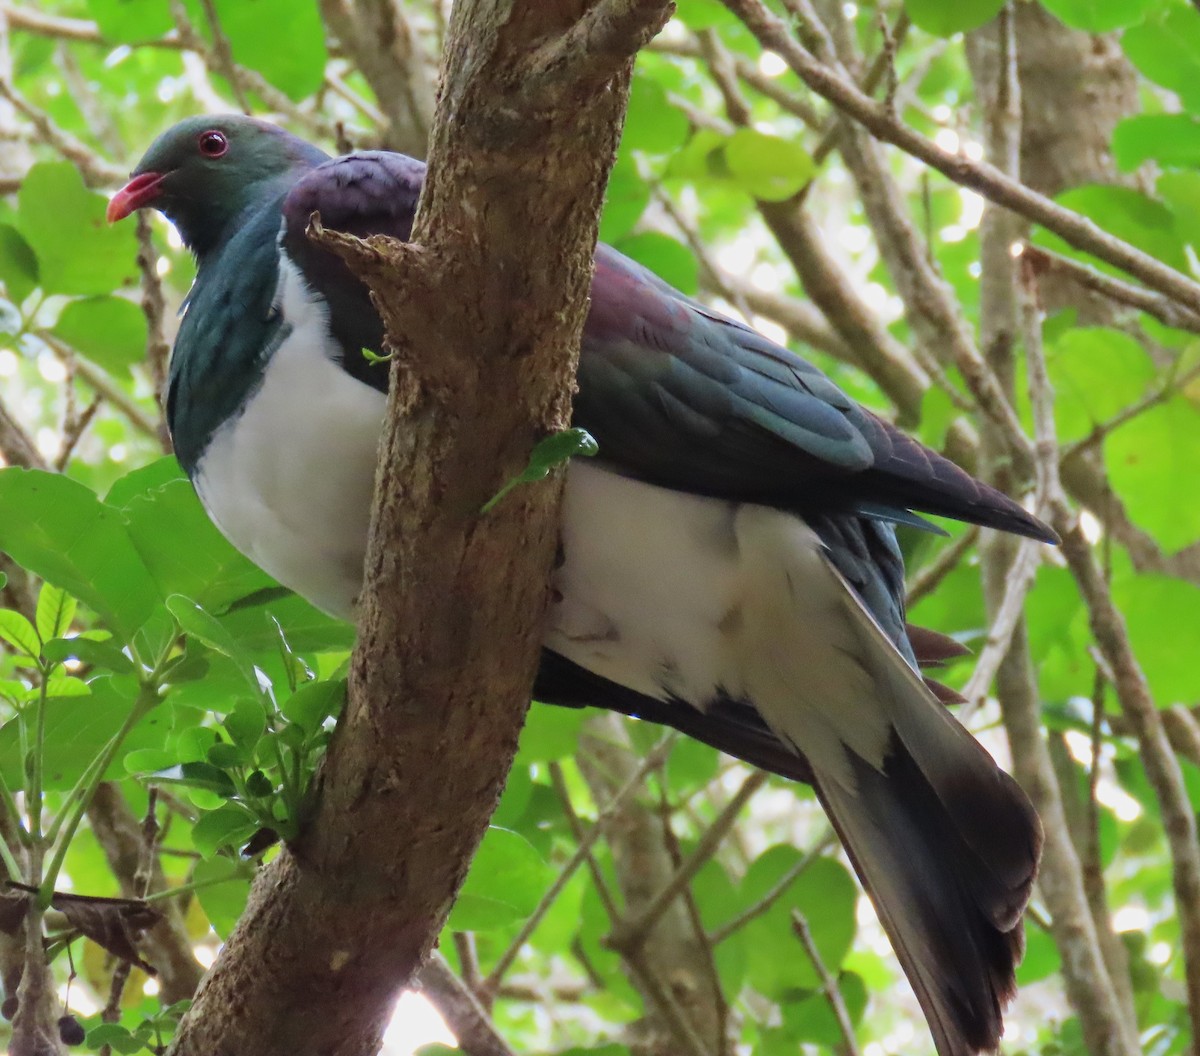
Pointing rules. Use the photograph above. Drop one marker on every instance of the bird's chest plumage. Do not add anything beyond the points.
(289, 478)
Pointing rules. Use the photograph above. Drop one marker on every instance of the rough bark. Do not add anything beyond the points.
(485, 323)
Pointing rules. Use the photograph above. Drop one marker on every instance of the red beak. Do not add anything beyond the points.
(138, 192)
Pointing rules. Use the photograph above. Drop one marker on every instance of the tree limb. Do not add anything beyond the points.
(985, 179)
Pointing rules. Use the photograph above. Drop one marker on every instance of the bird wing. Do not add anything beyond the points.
(684, 397)
(675, 393)
(371, 192)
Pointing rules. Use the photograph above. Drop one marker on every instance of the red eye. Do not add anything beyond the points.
(213, 143)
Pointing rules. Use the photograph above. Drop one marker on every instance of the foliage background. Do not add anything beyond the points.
(182, 670)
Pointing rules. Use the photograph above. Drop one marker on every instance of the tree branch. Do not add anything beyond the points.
(980, 177)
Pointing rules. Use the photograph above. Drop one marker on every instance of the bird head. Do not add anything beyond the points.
(203, 174)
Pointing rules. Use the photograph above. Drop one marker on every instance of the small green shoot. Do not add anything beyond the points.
(548, 453)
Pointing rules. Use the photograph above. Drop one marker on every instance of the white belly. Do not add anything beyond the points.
(289, 481)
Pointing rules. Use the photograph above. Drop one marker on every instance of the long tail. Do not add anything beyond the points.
(950, 897)
(945, 843)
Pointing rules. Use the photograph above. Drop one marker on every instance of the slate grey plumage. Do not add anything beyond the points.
(729, 561)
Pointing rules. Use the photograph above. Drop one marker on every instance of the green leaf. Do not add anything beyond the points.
(20, 634)
(1166, 49)
(79, 726)
(505, 883)
(1041, 958)
(313, 703)
(945, 19)
(551, 733)
(1099, 16)
(1096, 373)
(18, 264)
(103, 655)
(110, 331)
(196, 775)
(295, 65)
(1128, 214)
(1169, 139)
(652, 124)
(199, 624)
(624, 201)
(1157, 611)
(116, 1037)
(143, 480)
(766, 166)
(1148, 458)
(227, 826)
(812, 1021)
(77, 250)
(55, 611)
(226, 886)
(131, 21)
(182, 548)
(667, 257)
(59, 530)
(245, 724)
(552, 451)
(825, 894)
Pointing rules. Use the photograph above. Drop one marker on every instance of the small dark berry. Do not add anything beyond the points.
(9, 1008)
(71, 1031)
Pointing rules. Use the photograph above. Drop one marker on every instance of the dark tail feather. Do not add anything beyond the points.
(950, 897)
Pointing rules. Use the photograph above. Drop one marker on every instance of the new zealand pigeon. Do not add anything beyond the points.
(728, 565)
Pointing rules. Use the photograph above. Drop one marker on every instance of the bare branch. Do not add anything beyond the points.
(1161, 764)
(637, 930)
(829, 985)
(96, 171)
(1004, 623)
(380, 39)
(1165, 309)
(981, 177)
(590, 49)
(466, 1017)
(775, 892)
(168, 946)
(16, 446)
(926, 579)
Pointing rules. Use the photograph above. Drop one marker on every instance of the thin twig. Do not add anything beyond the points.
(1077, 230)
(96, 171)
(467, 1019)
(927, 578)
(651, 762)
(829, 985)
(223, 51)
(599, 880)
(681, 1025)
(1165, 309)
(720, 933)
(104, 386)
(1004, 624)
(635, 931)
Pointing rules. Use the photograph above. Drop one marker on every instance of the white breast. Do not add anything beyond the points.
(289, 481)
